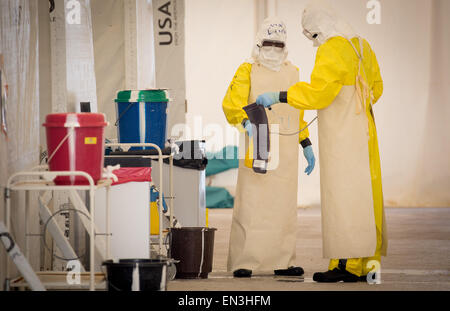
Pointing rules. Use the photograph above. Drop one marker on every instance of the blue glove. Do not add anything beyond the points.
(268, 99)
(309, 156)
(248, 127)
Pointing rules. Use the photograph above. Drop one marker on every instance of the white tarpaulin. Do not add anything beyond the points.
(81, 83)
(168, 25)
(109, 50)
(20, 149)
(139, 45)
(72, 56)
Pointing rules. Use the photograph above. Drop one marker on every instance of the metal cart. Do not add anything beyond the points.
(160, 158)
(42, 180)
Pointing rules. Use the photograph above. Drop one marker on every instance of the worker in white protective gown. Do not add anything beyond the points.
(263, 230)
(345, 83)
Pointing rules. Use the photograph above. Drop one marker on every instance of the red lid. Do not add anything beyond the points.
(75, 119)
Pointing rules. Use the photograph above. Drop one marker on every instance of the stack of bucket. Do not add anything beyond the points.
(76, 143)
(142, 116)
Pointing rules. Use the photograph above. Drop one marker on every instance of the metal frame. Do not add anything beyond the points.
(47, 185)
(44, 182)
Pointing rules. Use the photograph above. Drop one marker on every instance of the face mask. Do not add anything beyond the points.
(272, 57)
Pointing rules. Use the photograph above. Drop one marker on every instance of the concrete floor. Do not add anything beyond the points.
(418, 255)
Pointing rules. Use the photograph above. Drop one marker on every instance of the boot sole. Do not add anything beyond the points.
(337, 281)
(289, 274)
(242, 274)
(343, 279)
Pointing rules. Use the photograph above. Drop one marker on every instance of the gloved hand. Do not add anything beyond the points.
(268, 99)
(248, 127)
(309, 156)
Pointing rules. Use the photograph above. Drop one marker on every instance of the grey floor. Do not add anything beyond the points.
(418, 255)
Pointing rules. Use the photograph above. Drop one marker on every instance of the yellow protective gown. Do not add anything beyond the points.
(237, 97)
(338, 67)
(265, 211)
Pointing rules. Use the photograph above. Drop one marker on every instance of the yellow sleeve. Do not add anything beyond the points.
(237, 96)
(305, 133)
(327, 79)
(377, 87)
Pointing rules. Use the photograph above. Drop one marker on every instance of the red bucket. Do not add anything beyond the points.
(75, 142)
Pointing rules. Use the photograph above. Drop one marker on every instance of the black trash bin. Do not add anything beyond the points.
(152, 274)
(193, 247)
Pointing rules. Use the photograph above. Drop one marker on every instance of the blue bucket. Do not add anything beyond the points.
(142, 117)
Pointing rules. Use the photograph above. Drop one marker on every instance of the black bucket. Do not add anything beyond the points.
(193, 247)
(151, 274)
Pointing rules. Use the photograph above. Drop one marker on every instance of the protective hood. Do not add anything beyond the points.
(272, 29)
(321, 22)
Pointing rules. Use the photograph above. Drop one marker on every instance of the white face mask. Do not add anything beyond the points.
(272, 57)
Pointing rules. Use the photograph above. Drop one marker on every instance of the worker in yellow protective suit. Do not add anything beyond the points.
(264, 225)
(345, 83)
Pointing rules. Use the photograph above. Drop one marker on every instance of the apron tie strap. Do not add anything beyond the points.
(362, 87)
(364, 93)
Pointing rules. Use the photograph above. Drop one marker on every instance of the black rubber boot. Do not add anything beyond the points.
(334, 276)
(291, 271)
(363, 278)
(242, 273)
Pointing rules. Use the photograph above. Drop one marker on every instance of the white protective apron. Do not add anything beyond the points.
(263, 230)
(348, 219)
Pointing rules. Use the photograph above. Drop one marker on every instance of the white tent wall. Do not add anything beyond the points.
(169, 52)
(81, 81)
(431, 184)
(219, 37)
(71, 56)
(145, 45)
(109, 53)
(124, 51)
(58, 60)
(45, 78)
(410, 115)
(20, 150)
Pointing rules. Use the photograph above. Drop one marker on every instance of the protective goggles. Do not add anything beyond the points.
(309, 35)
(276, 44)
